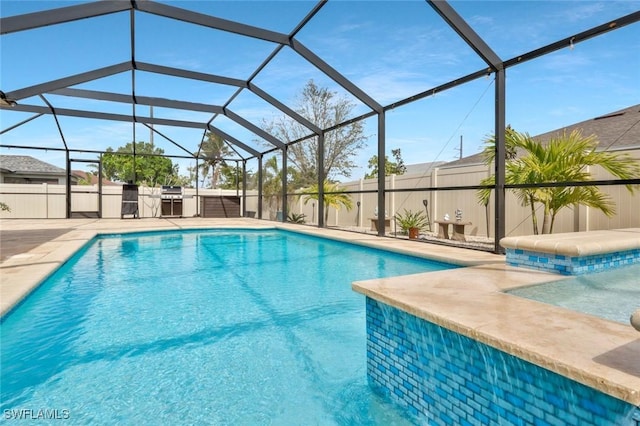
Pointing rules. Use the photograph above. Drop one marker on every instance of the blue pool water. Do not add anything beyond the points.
(613, 295)
(209, 327)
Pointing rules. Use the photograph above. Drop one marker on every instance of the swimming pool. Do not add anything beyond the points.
(224, 327)
(613, 295)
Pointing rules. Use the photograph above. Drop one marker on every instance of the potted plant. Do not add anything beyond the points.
(411, 222)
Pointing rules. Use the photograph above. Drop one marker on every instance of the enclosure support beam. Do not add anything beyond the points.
(164, 136)
(60, 15)
(230, 138)
(330, 72)
(244, 188)
(21, 123)
(500, 159)
(61, 83)
(209, 21)
(381, 174)
(192, 75)
(198, 212)
(259, 186)
(284, 184)
(321, 178)
(140, 100)
(253, 128)
(463, 29)
(68, 187)
(282, 107)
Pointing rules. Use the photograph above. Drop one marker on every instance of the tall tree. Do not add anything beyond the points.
(325, 109)
(213, 150)
(230, 176)
(565, 158)
(396, 167)
(150, 169)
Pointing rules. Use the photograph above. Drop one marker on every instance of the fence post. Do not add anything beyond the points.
(46, 200)
(361, 199)
(434, 202)
(392, 206)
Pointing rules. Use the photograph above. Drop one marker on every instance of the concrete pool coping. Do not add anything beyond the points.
(574, 244)
(599, 353)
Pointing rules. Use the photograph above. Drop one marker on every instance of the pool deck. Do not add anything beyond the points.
(599, 353)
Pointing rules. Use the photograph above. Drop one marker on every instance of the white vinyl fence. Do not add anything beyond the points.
(49, 201)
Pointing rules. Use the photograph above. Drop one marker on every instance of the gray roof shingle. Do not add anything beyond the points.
(28, 164)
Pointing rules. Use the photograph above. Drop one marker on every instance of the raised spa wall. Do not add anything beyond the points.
(575, 253)
(446, 378)
(453, 349)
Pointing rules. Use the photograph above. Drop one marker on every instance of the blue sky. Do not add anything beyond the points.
(390, 49)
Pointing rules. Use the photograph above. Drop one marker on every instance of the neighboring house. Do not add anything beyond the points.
(615, 131)
(85, 178)
(423, 168)
(25, 169)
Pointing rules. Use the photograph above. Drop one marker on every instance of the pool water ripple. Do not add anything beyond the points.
(210, 327)
(612, 295)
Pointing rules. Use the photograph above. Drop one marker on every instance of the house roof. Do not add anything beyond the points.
(93, 179)
(422, 167)
(24, 164)
(615, 131)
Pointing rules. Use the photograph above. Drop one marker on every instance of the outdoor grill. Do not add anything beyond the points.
(171, 201)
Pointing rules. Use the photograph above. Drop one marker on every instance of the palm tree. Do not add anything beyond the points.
(565, 158)
(213, 150)
(332, 197)
(272, 182)
(515, 173)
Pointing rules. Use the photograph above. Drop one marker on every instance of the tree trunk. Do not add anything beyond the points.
(534, 218)
(214, 176)
(546, 223)
(553, 220)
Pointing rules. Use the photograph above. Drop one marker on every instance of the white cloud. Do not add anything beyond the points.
(580, 11)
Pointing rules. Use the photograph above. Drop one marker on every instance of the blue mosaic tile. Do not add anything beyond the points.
(450, 383)
(555, 400)
(571, 265)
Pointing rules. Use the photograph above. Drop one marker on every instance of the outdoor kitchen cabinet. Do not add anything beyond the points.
(220, 206)
(171, 201)
(171, 207)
